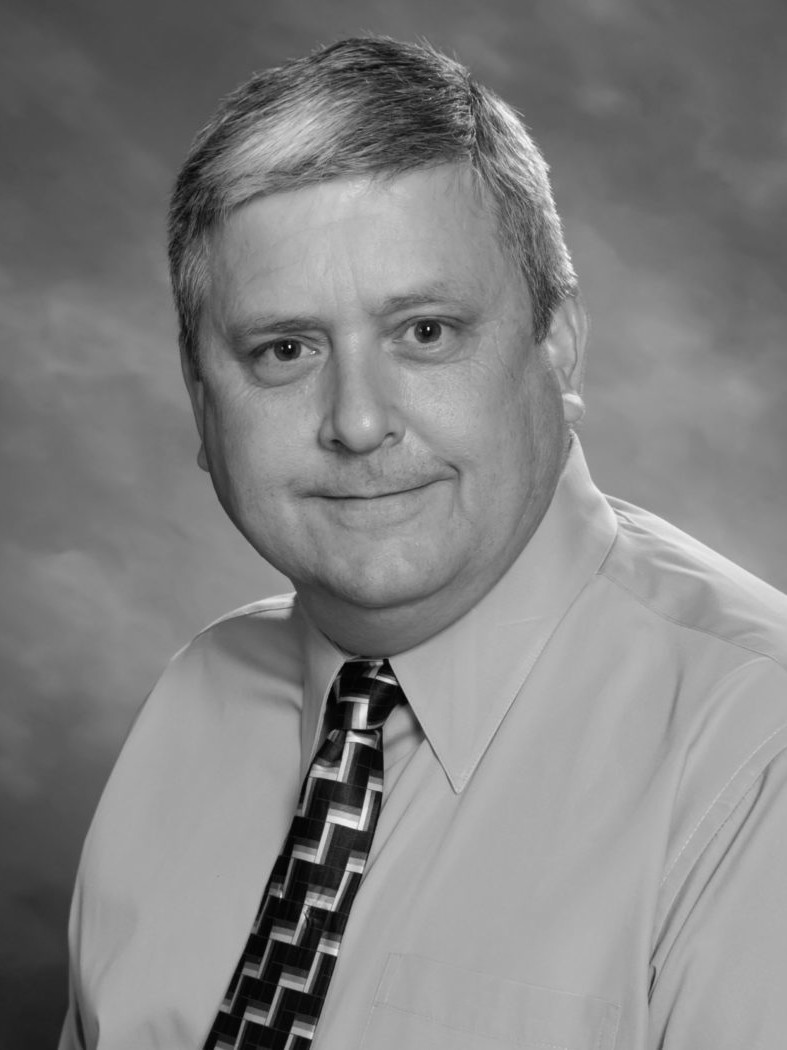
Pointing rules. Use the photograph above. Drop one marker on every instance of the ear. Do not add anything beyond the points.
(196, 390)
(565, 347)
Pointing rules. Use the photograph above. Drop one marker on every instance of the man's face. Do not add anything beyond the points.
(376, 417)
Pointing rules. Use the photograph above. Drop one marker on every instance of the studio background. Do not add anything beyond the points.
(665, 123)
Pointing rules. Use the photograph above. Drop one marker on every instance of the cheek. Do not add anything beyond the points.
(245, 453)
(526, 433)
(461, 408)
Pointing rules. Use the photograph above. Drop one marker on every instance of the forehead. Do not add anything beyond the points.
(361, 237)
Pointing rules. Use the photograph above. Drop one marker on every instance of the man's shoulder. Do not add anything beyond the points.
(248, 659)
(689, 586)
(259, 642)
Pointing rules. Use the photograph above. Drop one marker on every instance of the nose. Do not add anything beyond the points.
(362, 410)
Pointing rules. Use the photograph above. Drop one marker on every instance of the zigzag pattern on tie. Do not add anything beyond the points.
(276, 993)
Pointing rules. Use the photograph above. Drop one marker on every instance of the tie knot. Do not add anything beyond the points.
(366, 691)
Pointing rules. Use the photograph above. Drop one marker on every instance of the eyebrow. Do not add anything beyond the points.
(253, 326)
(439, 294)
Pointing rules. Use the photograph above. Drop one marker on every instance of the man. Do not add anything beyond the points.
(574, 715)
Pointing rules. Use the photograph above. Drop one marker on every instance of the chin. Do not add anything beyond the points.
(368, 595)
(374, 589)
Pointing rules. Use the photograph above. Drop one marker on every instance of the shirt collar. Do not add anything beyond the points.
(461, 682)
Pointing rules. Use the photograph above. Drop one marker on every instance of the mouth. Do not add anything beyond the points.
(379, 507)
(381, 494)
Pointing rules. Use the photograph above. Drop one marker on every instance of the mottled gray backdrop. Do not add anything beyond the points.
(666, 124)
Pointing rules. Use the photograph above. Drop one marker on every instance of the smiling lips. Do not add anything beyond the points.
(367, 496)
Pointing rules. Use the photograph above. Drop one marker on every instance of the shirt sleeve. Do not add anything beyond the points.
(719, 970)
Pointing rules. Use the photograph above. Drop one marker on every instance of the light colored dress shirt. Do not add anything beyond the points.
(583, 841)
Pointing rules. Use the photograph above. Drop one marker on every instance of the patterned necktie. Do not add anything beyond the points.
(280, 983)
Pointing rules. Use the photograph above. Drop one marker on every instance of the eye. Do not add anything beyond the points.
(285, 349)
(427, 331)
(284, 360)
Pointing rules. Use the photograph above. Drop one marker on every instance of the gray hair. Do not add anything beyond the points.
(365, 107)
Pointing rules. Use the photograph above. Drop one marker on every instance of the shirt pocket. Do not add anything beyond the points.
(422, 1004)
